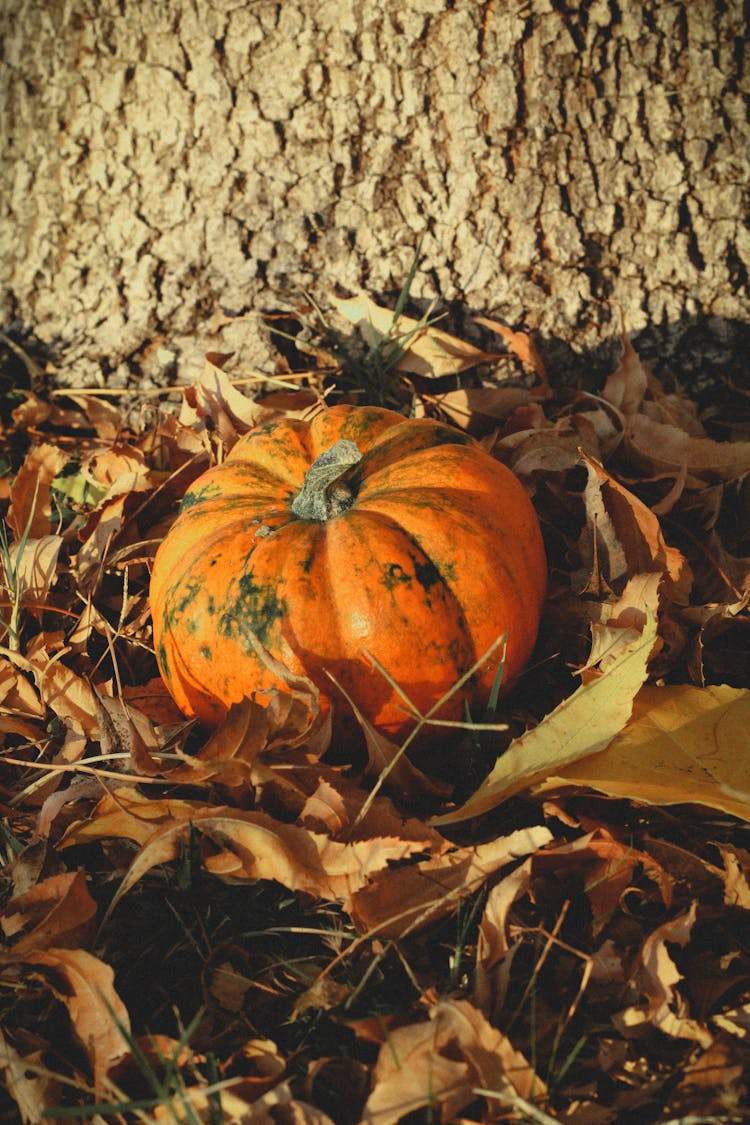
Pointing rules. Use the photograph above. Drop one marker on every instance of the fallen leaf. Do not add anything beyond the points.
(404, 899)
(427, 350)
(54, 912)
(245, 846)
(85, 986)
(213, 396)
(129, 815)
(657, 976)
(33, 1090)
(637, 530)
(35, 566)
(440, 1064)
(583, 724)
(681, 746)
(521, 344)
(607, 867)
(658, 447)
(471, 405)
(626, 387)
(277, 1105)
(31, 505)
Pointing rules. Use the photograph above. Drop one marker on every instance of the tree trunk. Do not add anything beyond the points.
(561, 163)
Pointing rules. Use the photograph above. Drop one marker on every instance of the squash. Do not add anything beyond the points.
(349, 540)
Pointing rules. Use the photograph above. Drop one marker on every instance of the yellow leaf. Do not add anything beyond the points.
(583, 724)
(683, 744)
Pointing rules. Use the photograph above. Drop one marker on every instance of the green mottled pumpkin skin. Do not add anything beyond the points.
(439, 554)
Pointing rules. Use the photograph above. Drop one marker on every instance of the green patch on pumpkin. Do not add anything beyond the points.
(258, 607)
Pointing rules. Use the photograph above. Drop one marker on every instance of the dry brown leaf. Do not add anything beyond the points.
(129, 815)
(54, 912)
(101, 531)
(411, 1073)
(125, 730)
(736, 883)
(657, 976)
(239, 754)
(520, 343)
(246, 846)
(401, 900)
(626, 387)
(393, 768)
(275, 1106)
(682, 745)
(31, 508)
(85, 986)
(17, 695)
(659, 447)
(338, 802)
(120, 468)
(33, 411)
(581, 725)
(635, 530)
(441, 1063)
(154, 701)
(428, 351)
(213, 396)
(470, 406)
(35, 565)
(606, 865)
(104, 416)
(68, 696)
(621, 621)
(33, 1091)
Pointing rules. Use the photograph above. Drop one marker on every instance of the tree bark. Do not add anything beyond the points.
(560, 162)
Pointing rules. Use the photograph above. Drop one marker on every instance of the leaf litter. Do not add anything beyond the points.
(237, 923)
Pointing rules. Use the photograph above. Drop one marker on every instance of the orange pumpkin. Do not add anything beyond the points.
(356, 534)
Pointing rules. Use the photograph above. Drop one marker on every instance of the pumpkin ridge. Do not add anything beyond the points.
(426, 573)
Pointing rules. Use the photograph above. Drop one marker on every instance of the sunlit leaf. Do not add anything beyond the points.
(682, 745)
(581, 725)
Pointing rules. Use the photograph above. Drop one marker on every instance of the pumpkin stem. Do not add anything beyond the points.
(325, 492)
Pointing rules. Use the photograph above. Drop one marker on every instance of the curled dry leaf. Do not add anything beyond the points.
(68, 696)
(626, 387)
(32, 1092)
(607, 866)
(473, 408)
(522, 345)
(442, 1063)
(276, 1105)
(54, 912)
(629, 534)
(31, 508)
(657, 976)
(415, 895)
(214, 397)
(35, 566)
(658, 447)
(246, 846)
(129, 815)
(125, 729)
(364, 875)
(85, 986)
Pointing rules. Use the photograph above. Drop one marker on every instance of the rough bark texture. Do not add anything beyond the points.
(164, 162)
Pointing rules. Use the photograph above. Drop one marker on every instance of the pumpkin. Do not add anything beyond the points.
(355, 539)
